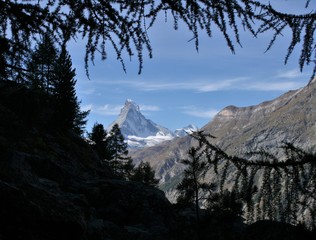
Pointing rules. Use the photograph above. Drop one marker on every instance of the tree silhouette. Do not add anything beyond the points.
(117, 153)
(192, 186)
(271, 188)
(41, 65)
(124, 25)
(145, 174)
(98, 138)
(68, 113)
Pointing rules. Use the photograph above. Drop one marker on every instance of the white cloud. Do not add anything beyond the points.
(199, 112)
(273, 86)
(149, 108)
(206, 85)
(114, 110)
(294, 73)
(88, 91)
(105, 110)
(87, 107)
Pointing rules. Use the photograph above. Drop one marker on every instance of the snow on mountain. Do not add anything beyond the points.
(181, 132)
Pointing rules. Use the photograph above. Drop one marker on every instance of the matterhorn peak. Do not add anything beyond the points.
(129, 103)
(136, 128)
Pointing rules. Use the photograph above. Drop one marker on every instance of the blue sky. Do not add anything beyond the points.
(180, 86)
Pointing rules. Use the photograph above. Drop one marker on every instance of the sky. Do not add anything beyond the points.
(180, 86)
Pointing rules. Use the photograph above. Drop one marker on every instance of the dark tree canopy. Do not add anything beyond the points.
(145, 174)
(124, 25)
(271, 188)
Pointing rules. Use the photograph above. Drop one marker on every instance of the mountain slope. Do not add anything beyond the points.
(290, 117)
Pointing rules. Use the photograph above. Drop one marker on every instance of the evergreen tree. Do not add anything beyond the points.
(145, 174)
(192, 186)
(41, 65)
(117, 153)
(98, 137)
(68, 113)
(286, 188)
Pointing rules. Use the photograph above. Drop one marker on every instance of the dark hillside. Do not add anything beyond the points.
(53, 186)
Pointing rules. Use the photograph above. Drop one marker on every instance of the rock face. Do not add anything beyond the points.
(54, 187)
(290, 117)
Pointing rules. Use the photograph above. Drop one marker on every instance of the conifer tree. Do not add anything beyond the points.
(124, 24)
(191, 187)
(68, 113)
(145, 174)
(41, 64)
(117, 153)
(98, 137)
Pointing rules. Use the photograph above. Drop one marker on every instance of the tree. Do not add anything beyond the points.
(145, 174)
(124, 25)
(117, 153)
(68, 113)
(286, 191)
(98, 138)
(191, 187)
(41, 65)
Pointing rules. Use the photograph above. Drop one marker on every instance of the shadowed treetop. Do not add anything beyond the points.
(124, 25)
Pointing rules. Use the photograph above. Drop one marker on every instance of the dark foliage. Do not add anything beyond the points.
(98, 138)
(41, 65)
(274, 189)
(68, 114)
(112, 148)
(124, 25)
(145, 174)
(192, 187)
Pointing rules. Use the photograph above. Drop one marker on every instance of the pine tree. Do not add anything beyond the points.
(192, 185)
(117, 152)
(145, 174)
(41, 65)
(68, 113)
(98, 138)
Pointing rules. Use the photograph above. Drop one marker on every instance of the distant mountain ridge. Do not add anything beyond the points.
(141, 132)
(290, 117)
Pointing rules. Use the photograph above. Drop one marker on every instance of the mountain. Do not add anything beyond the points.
(181, 132)
(290, 117)
(138, 130)
(133, 123)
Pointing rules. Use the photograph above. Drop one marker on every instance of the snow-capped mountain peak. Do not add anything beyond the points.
(181, 132)
(142, 132)
(136, 128)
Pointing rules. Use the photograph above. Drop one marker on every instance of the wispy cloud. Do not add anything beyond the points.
(281, 83)
(199, 112)
(87, 91)
(149, 108)
(105, 110)
(294, 73)
(114, 110)
(273, 86)
(194, 84)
